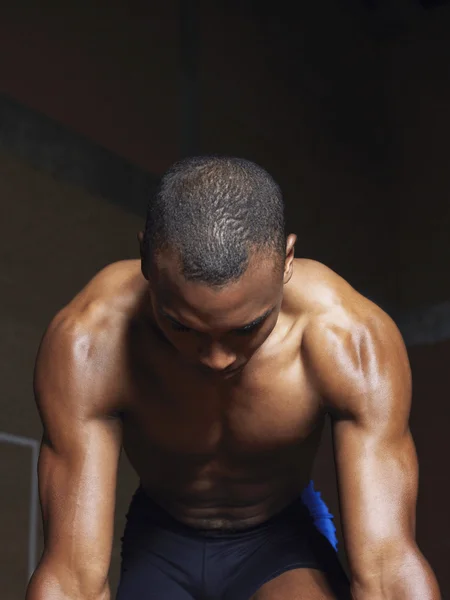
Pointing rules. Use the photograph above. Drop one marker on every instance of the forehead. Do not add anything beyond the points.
(257, 290)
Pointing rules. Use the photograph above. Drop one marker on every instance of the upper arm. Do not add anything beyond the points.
(364, 374)
(77, 463)
(374, 451)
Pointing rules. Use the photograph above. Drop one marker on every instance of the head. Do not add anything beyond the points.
(215, 254)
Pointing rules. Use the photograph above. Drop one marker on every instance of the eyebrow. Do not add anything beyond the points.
(246, 327)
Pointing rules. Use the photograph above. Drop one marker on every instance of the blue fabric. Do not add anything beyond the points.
(320, 514)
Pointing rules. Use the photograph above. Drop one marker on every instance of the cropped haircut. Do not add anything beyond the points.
(214, 212)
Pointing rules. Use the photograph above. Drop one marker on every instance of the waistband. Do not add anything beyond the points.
(144, 508)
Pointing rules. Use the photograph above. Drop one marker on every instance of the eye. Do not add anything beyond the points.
(244, 331)
(176, 327)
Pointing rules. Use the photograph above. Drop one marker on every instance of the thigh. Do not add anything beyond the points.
(295, 562)
(301, 584)
(159, 560)
(147, 582)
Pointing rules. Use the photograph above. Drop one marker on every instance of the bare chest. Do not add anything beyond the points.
(269, 409)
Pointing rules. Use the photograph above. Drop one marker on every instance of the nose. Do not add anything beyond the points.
(216, 357)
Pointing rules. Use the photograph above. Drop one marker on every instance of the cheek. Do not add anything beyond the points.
(263, 334)
(268, 327)
(248, 344)
(175, 338)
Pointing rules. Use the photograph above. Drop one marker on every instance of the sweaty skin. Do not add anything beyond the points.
(225, 450)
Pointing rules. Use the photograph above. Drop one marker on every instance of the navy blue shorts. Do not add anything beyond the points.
(165, 559)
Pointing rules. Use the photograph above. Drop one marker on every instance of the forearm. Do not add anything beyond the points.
(48, 584)
(410, 578)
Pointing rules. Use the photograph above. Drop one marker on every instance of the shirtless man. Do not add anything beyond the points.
(214, 361)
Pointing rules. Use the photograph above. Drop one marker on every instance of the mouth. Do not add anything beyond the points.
(231, 372)
(225, 373)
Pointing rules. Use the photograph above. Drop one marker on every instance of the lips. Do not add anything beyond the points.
(232, 371)
(224, 373)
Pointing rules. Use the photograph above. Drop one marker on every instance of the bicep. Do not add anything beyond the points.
(77, 466)
(374, 450)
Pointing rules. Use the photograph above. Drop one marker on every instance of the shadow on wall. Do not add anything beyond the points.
(430, 420)
(68, 157)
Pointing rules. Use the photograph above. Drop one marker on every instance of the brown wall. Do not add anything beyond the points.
(308, 105)
(418, 78)
(418, 83)
(429, 424)
(107, 70)
(306, 102)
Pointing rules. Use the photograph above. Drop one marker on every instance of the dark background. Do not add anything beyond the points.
(345, 102)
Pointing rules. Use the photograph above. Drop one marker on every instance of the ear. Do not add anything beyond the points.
(289, 260)
(144, 266)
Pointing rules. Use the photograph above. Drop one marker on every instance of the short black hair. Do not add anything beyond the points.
(214, 211)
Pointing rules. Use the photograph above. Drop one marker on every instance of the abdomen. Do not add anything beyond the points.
(227, 483)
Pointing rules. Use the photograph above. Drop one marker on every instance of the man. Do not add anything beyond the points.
(214, 361)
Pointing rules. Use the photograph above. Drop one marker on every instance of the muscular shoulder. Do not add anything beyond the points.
(82, 352)
(352, 347)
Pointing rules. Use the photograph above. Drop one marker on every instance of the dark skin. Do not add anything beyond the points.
(218, 448)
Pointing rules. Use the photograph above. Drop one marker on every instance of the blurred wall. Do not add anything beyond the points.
(418, 81)
(418, 84)
(107, 70)
(429, 423)
(302, 96)
(299, 88)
